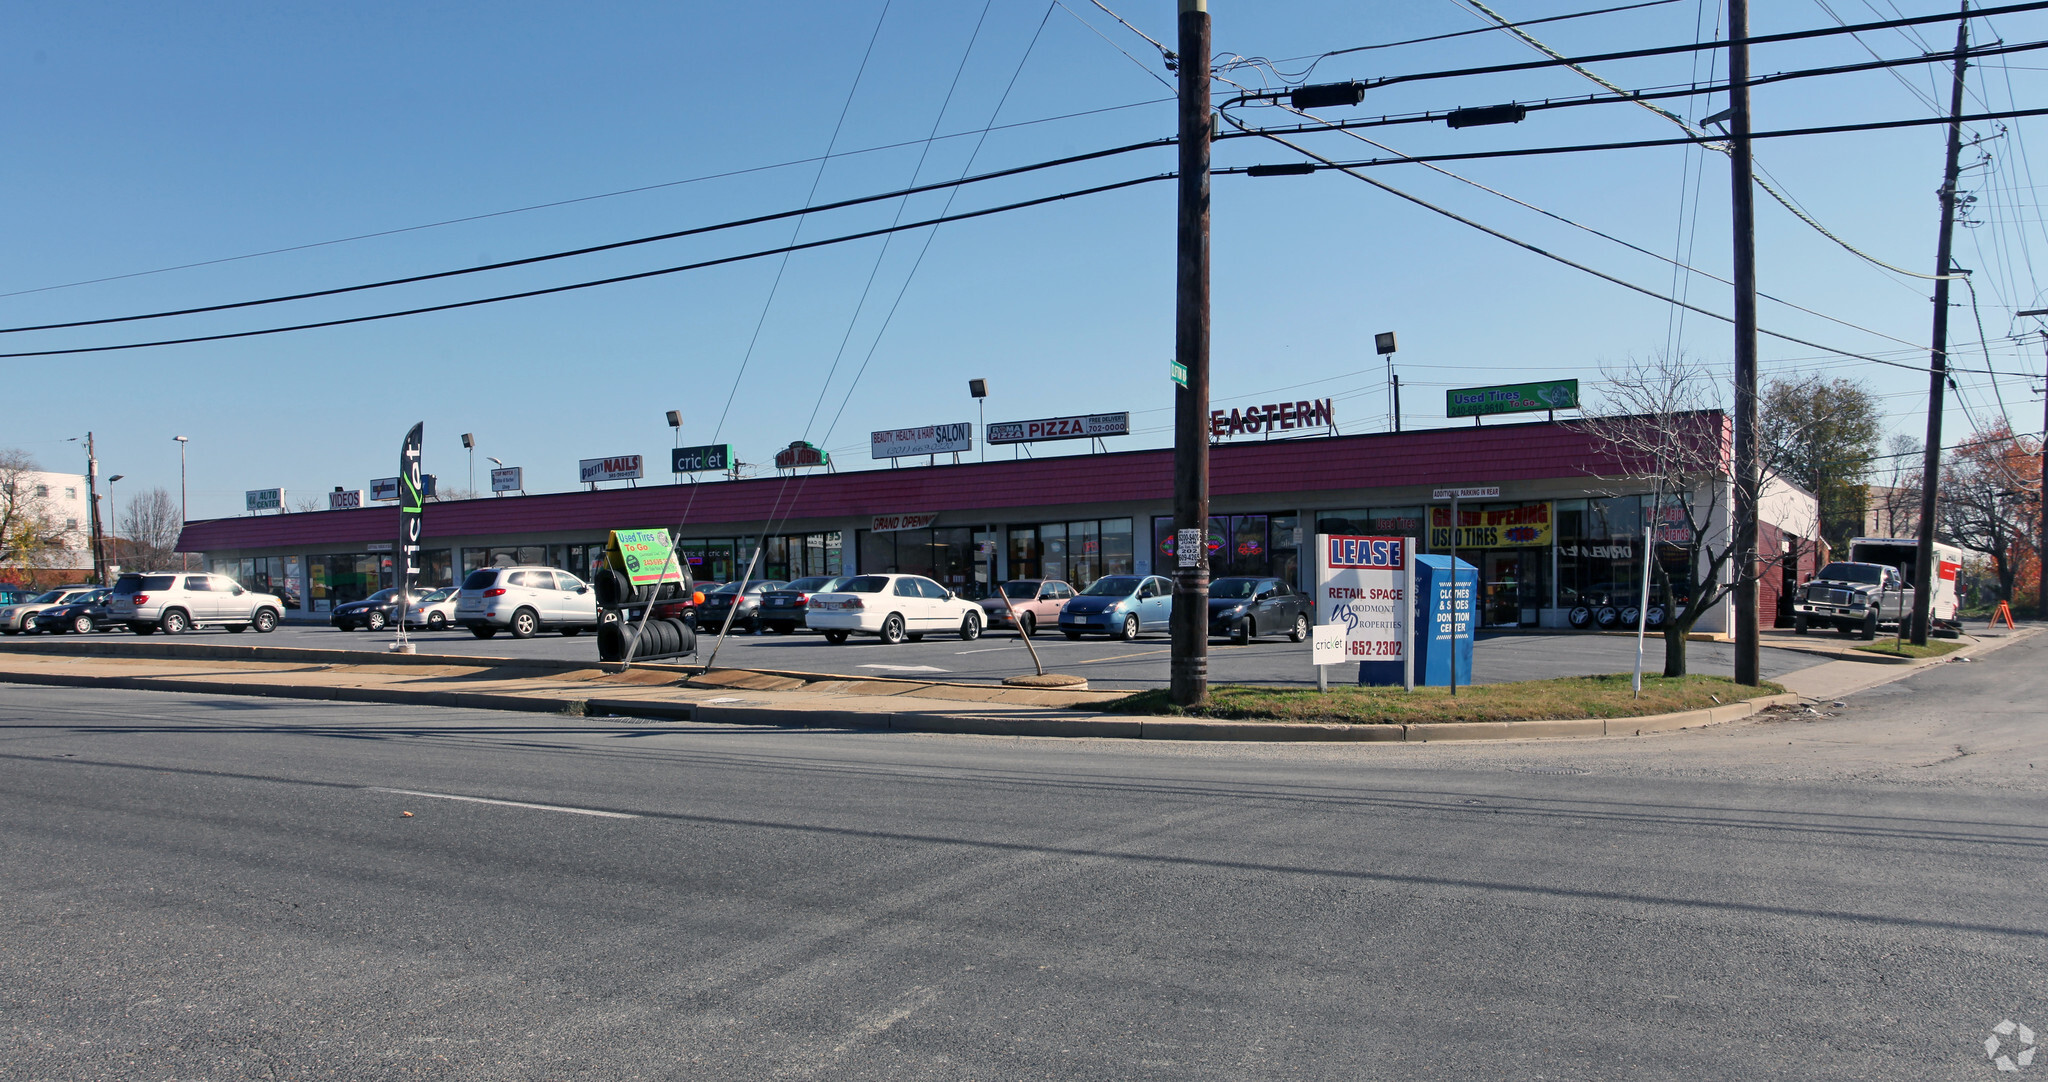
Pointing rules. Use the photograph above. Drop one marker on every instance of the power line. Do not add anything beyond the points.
(613, 280)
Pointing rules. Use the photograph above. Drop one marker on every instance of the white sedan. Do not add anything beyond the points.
(434, 612)
(893, 607)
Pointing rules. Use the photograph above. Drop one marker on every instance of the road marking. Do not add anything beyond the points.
(1120, 657)
(502, 803)
(990, 650)
(903, 668)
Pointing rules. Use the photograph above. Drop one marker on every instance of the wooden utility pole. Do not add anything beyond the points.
(1742, 189)
(92, 494)
(1937, 364)
(1189, 670)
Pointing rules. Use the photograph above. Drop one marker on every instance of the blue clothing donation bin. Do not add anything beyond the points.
(1439, 608)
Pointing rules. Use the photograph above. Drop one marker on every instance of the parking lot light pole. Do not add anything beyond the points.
(185, 558)
(1189, 665)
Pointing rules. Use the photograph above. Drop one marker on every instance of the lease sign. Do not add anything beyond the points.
(1361, 584)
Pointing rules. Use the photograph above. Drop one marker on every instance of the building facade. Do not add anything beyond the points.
(1567, 528)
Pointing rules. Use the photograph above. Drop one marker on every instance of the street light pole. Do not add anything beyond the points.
(184, 558)
(1748, 652)
(1189, 667)
(114, 507)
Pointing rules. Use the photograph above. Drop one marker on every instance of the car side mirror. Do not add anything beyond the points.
(582, 589)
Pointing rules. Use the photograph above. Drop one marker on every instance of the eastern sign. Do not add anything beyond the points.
(1526, 525)
(387, 488)
(508, 479)
(342, 499)
(1363, 584)
(800, 454)
(1558, 394)
(645, 556)
(264, 499)
(711, 456)
(929, 440)
(893, 523)
(1082, 427)
(618, 468)
(1271, 417)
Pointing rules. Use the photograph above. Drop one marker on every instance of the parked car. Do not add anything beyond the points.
(685, 608)
(782, 610)
(435, 611)
(1855, 598)
(525, 601)
(741, 599)
(20, 617)
(175, 602)
(1242, 607)
(375, 612)
(1037, 602)
(1119, 605)
(83, 613)
(893, 608)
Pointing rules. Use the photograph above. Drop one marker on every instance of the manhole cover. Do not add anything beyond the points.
(1547, 770)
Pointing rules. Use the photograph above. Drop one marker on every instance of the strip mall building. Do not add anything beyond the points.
(1567, 528)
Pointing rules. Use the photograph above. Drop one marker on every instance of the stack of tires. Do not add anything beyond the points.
(620, 629)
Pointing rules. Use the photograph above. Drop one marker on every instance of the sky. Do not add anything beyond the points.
(160, 157)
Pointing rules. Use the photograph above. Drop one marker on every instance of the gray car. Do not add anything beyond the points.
(525, 601)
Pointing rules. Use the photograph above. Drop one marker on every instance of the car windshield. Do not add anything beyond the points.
(812, 585)
(1870, 573)
(866, 584)
(1022, 589)
(438, 595)
(1112, 586)
(50, 598)
(1233, 589)
(381, 595)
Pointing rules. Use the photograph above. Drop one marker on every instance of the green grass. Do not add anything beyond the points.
(1533, 700)
(1895, 648)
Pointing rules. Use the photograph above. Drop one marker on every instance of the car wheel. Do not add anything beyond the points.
(236, 629)
(266, 622)
(82, 624)
(1799, 625)
(1581, 617)
(892, 629)
(436, 622)
(970, 627)
(1656, 616)
(1130, 629)
(175, 622)
(1606, 616)
(1027, 624)
(375, 621)
(1072, 636)
(835, 637)
(1870, 626)
(1630, 616)
(525, 623)
(1300, 630)
(484, 632)
(1241, 632)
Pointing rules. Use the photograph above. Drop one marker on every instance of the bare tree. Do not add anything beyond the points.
(1989, 504)
(308, 503)
(151, 526)
(30, 536)
(451, 493)
(1661, 422)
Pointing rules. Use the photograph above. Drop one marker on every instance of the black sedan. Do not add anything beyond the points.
(88, 613)
(745, 597)
(782, 611)
(1242, 608)
(375, 612)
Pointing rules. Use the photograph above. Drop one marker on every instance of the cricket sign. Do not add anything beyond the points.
(1366, 584)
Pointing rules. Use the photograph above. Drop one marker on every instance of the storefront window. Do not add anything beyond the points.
(1238, 545)
(1118, 553)
(794, 556)
(472, 559)
(1599, 552)
(340, 579)
(1024, 553)
(1052, 543)
(944, 554)
(710, 560)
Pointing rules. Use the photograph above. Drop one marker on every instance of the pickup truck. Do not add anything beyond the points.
(1854, 597)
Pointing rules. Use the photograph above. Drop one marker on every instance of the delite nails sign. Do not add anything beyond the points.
(928, 440)
(1560, 394)
(1271, 417)
(620, 468)
(1086, 426)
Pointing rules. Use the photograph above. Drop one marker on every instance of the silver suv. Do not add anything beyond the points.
(524, 600)
(178, 601)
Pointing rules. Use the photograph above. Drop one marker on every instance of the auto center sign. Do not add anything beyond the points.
(1083, 427)
(620, 468)
(928, 440)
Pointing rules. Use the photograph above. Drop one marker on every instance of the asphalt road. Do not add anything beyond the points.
(220, 888)
(1105, 663)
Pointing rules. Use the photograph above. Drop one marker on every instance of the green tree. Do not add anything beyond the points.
(29, 534)
(1821, 435)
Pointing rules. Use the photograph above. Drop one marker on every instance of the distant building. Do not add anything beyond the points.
(62, 497)
(1891, 512)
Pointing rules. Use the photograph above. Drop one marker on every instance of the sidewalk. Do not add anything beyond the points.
(741, 697)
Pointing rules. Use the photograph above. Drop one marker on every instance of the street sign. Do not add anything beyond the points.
(509, 479)
(264, 499)
(1485, 492)
(616, 468)
(1180, 372)
(711, 456)
(926, 440)
(1558, 394)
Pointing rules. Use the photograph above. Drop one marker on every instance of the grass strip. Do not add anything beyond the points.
(1895, 648)
(1530, 700)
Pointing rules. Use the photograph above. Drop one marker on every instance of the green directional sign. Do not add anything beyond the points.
(1559, 394)
(1180, 372)
(642, 555)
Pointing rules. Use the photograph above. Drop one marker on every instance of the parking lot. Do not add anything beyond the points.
(1106, 663)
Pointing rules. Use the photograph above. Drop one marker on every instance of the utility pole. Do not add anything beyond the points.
(1937, 366)
(1748, 651)
(92, 494)
(2041, 495)
(1189, 669)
